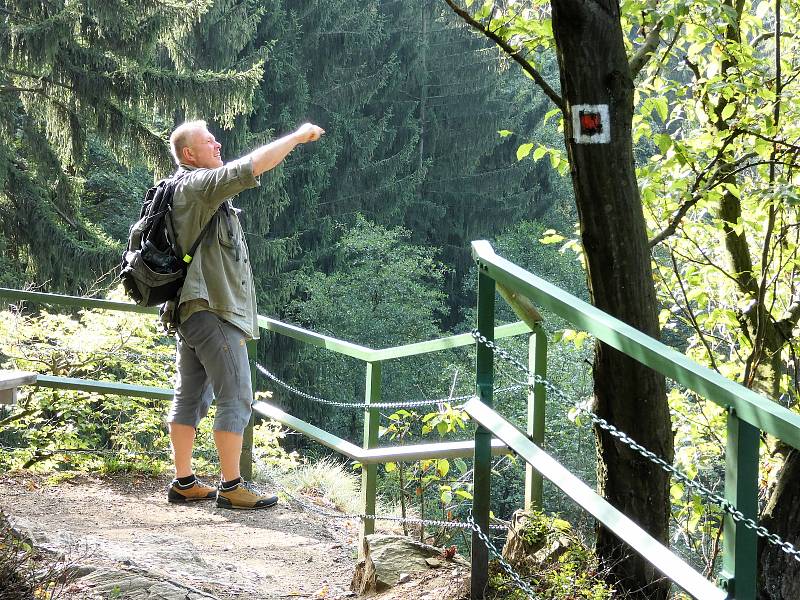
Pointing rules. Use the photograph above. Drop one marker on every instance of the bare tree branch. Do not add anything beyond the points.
(706, 260)
(771, 140)
(670, 229)
(763, 37)
(65, 216)
(686, 307)
(668, 50)
(790, 318)
(17, 416)
(647, 50)
(692, 67)
(9, 89)
(696, 195)
(690, 313)
(29, 75)
(510, 51)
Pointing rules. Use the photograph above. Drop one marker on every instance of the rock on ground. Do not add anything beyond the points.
(404, 568)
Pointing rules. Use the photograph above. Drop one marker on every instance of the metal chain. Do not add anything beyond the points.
(366, 517)
(504, 354)
(515, 577)
(470, 524)
(368, 405)
(698, 487)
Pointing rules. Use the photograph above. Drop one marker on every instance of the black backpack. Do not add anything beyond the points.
(153, 269)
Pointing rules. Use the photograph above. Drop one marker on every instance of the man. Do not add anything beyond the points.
(217, 308)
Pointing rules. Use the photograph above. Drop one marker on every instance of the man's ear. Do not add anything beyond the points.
(187, 155)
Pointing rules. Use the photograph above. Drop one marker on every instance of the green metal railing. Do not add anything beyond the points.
(748, 415)
(369, 454)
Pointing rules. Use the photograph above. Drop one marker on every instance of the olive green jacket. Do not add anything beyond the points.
(219, 277)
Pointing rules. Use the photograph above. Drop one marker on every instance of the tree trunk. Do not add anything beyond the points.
(780, 572)
(594, 71)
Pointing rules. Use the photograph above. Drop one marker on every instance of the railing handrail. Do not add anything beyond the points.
(103, 387)
(749, 406)
(447, 343)
(75, 301)
(317, 339)
(654, 552)
(296, 332)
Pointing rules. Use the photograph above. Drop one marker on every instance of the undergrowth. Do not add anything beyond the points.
(27, 573)
(55, 431)
(556, 563)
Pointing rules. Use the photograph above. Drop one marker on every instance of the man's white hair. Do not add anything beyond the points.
(182, 137)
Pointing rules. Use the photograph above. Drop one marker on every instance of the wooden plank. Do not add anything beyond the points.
(13, 379)
(315, 433)
(75, 301)
(648, 547)
(9, 382)
(287, 329)
(316, 339)
(369, 472)
(374, 455)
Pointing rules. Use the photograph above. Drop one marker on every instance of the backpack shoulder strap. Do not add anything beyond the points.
(187, 258)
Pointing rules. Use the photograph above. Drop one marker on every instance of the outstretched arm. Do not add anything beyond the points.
(270, 155)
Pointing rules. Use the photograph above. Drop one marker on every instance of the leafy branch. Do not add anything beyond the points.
(514, 53)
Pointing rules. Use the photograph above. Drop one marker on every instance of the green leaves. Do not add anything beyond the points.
(93, 345)
(551, 236)
(577, 338)
(485, 10)
(557, 160)
(447, 421)
(727, 111)
(524, 150)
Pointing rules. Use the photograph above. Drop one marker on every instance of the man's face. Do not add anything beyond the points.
(204, 150)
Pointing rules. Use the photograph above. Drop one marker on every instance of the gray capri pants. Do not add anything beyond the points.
(211, 357)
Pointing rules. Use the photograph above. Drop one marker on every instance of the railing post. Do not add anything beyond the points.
(537, 363)
(739, 558)
(369, 473)
(484, 379)
(246, 458)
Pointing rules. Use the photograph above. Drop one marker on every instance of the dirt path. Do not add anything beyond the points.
(124, 525)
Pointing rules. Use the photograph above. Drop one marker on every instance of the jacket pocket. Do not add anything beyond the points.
(226, 231)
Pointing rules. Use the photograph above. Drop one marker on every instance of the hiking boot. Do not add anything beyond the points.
(244, 495)
(197, 490)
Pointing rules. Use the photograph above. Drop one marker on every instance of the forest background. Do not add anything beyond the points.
(434, 138)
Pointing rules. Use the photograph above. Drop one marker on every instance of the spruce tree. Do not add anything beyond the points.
(474, 186)
(350, 84)
(70, 71)
(412, 139)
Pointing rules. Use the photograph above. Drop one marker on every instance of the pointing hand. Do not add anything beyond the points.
(308, 132)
